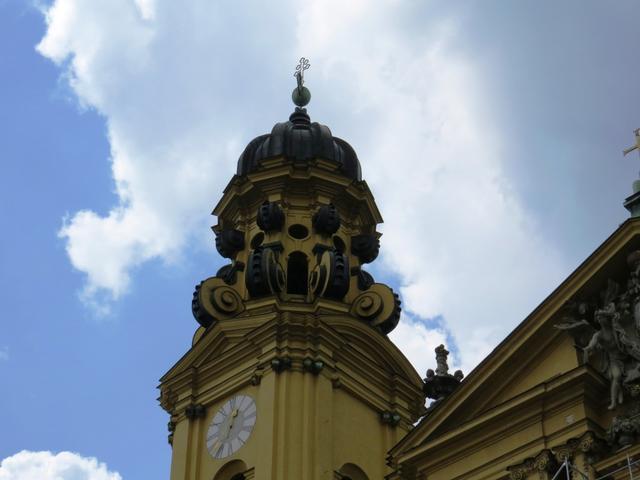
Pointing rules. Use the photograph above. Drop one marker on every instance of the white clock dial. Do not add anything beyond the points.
(231, 426)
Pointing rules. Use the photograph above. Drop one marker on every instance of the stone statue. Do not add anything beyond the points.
(442, 368)
(612, 330)
(608, 341)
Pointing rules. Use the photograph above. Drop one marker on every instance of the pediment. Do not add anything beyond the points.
(535, 354)
(213, 343)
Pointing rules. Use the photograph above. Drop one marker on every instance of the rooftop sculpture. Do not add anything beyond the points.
(440, 384)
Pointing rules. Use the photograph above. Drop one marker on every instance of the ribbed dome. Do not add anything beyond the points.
(300, 140)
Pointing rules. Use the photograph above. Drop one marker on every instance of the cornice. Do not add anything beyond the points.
(512, 415)
(238, 352)
(280, 181)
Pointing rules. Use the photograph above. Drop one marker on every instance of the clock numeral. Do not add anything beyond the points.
(218, 418)
(244, 403)
(219, 452)
(235, 444)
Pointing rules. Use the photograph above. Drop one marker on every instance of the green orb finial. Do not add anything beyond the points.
(301, 95)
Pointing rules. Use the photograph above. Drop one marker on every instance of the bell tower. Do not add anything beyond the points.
(290, 374)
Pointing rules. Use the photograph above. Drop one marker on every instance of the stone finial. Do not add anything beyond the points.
(442, 367)
(440, 383)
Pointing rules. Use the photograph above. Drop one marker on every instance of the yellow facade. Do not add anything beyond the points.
(534, 402)
(291, 374)
(332, 392)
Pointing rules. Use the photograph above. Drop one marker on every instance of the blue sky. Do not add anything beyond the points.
(490, 133)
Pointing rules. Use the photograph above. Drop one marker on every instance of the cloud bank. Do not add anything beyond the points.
(27, 465)
(183, 87)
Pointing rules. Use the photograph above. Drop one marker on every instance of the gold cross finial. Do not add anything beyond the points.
(636, 146)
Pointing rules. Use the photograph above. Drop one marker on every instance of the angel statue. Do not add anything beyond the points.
(619, 343)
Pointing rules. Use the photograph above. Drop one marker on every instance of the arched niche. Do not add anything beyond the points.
(233, 470)
(297, 274)
(350, 471)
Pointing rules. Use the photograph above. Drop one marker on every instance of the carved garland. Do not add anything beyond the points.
(543, 463)
(547, 462)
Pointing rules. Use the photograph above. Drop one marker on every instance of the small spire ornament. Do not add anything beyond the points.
(636, 146)
(301, 95)
(632, 203)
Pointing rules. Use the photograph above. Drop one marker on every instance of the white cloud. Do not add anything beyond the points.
(4, 353)
(179, 83)
(160, 73)
(418, 343)
(27, 465)
(455, 233)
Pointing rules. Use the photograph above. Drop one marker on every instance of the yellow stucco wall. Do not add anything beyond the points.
(305, 428)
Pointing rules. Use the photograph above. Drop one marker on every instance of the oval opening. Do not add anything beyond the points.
(257, 240)
(298, 231)
(338, 243)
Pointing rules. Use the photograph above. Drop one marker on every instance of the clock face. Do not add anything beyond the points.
(231, 426)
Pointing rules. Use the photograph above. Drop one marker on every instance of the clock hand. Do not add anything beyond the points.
(233, 415)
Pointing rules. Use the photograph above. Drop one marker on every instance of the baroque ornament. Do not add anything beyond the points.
(270, 217)
(613, 331)
(213, 300)
(624, 429)
(229, 242)
(379, 306)
(326, 220)
(440, 384)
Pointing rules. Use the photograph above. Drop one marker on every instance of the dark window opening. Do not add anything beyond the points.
(297, 274)
(298, 231)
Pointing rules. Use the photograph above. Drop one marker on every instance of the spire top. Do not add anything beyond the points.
(301, 95)
(632, 203)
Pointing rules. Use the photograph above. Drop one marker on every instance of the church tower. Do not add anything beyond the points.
(291, 374)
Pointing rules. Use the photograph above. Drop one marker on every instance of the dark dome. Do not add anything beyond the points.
(299, 139)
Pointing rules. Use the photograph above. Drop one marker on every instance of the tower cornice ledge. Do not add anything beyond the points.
(239, 352)
(281, 182)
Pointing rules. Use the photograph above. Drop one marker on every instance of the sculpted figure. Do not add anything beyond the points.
(607, 340)
(615, 336)
(442, 368)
